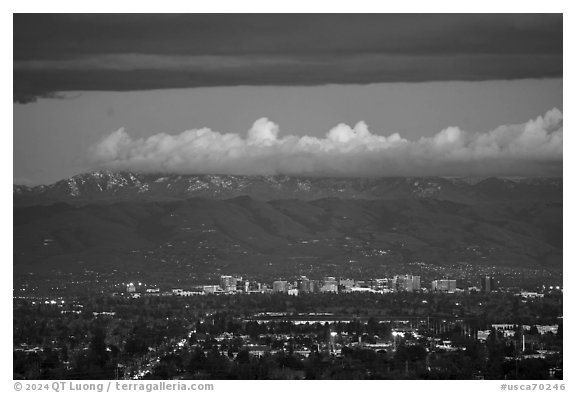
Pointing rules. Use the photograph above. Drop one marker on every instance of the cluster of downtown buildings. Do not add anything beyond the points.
(399, 283)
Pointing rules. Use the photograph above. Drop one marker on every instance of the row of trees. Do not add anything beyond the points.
(407, 362)
(87, 344)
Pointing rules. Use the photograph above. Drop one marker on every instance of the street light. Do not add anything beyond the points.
(395, 334)
(332, 344)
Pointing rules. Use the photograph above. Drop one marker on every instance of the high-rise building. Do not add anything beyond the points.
(242, 285)
(305, 285)
(408, 283)
(443, 286)
(401, 283)
(330, 285)
(314, 286)
(379, 284)
(346, 283)
(228, 283)
(280, 286)
(487, 284)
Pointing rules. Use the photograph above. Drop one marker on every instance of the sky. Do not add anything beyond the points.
(344, 95)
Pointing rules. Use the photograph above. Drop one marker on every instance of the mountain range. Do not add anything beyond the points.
(184, 224)
(126, 186)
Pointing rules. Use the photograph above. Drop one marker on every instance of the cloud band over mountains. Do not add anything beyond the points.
(530, 149)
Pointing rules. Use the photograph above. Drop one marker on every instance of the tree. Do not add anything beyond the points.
(197, 360)
(243, 357)
(97, 354)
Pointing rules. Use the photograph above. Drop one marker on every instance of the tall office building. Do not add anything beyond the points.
(242, 285)
(408, 283)
(314, 286)
(228, 283)
(330, 285)
(443, 286)
(305, 285)
(378, 284)
(487, 284)
(402, 284)
(280, 286)
(346, 283)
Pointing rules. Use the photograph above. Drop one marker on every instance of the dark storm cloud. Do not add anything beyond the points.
(134, 52)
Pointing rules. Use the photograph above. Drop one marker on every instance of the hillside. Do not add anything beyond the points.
(250, 234)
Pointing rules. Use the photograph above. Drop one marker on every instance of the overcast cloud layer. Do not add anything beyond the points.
(54, 53)
(530, 149)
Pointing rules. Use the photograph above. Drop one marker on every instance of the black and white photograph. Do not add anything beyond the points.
(287, 196)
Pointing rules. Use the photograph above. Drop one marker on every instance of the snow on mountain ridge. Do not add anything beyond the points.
(109, 186)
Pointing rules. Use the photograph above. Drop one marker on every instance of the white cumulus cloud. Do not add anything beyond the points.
(532, 148)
